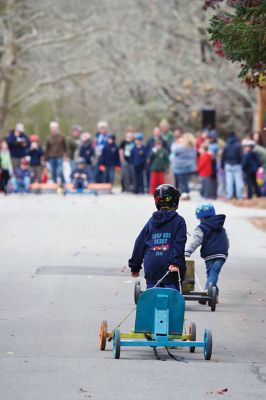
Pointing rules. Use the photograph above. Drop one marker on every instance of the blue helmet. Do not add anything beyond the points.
(138, 136)
(205, 210)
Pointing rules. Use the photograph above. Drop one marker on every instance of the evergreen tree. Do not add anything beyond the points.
(240, 36)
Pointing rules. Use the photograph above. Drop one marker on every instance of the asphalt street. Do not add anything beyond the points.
(63, 269)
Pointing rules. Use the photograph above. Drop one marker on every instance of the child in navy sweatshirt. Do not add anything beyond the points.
(161, 243)
(138, 161)
(212, 237)
(109, 160)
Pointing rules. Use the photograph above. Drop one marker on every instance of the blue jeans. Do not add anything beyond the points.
(213, 269)
(56, 165)
(21, 185)
(234, 181)
(109, 175)
(167, 286)
(181, 182)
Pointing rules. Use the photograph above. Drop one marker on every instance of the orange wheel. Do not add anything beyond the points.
(103, 335)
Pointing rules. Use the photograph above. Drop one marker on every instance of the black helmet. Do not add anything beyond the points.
(166, 196)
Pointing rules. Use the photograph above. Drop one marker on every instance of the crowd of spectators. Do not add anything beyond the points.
(220, 169)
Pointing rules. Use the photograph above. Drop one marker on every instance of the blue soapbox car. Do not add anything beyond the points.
(159, 322)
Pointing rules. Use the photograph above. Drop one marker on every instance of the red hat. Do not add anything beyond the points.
(34, 138)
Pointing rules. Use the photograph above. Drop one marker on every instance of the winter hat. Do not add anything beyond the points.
(20, 127)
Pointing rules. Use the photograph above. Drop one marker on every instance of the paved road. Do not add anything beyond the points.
(50, 310)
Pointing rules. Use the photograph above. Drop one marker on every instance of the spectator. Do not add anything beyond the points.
(138, 160)
(6, 168)
(18, 144)
(100, 141)
(205, 171)
(55, 152)
(21, 178)
(87, 152)
(126, 147)
(109, 161)
(36, 154)
(150, 145)
(183, 157)
(79, 176)
(201, 139)
(250, 165)
(177, 134)
(257, 137)
(213, 149)
(220, 175)
(166, 133)
(158, 163)
(73, 145)
(232, 164)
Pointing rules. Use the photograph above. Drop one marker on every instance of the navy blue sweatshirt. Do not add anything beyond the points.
(161, 243)
(215, 241)
(18, 145)
(250, 162)
(87, 152)
(232, 153)
(138, 157)
(35, 156)
(110, 156)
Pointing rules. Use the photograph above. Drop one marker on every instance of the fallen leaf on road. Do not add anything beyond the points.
(81, 390)
(222, 391)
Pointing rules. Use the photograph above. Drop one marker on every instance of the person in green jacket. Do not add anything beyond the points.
(6, 169)
(158, 163)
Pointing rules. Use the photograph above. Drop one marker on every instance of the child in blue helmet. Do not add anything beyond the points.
(160, 245)
(211, 236)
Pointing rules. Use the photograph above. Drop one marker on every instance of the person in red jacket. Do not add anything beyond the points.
(205, 171)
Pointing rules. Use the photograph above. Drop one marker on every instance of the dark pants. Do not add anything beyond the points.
(138, 180)
(252, 185)
(205, 190)
(127, 177)
(56, 164)
(99, 175)
(4, 178)
(36, 171)
(181, 182)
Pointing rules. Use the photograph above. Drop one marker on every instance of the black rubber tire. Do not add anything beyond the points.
(116, 343)
(207, 350)
(137, 291)
(193, 335)
(213, 299)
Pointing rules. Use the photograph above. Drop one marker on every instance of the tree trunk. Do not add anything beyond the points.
(8, 62)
